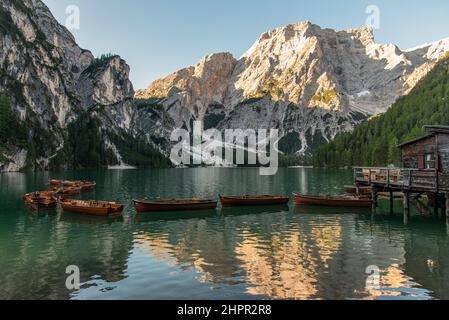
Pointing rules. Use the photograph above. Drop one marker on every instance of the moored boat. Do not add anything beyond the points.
(91, 207)
(333, 201)
(387, 195)
(83, 185)
(358, 190)
(41, 200)
(54, 182)
(87, 185)
(68, 183)
(66, 191)
(174, 205)
(253, 200)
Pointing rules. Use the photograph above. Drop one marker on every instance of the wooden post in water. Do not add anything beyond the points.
(444, 207)
(375, 197)
(391, 202)
(447, 206)
(435, 205)
(447, 211)
(406, 207)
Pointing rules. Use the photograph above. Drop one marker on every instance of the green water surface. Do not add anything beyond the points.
(243, 253)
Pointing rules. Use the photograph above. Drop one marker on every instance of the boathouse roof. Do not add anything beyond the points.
(432, 131)
(415, 140)
(437, 129)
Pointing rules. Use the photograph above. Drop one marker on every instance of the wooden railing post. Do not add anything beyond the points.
(355, 175)
(409, 179)
(388, 177)
(436, 181)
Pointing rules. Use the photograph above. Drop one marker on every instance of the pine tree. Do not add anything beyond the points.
(375, 141)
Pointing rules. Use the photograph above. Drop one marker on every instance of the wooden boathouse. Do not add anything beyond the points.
(425, 170)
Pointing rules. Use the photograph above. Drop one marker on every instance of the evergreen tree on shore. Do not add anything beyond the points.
(374, 143)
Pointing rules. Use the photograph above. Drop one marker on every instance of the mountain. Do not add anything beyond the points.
(61, 106)
(308, 82)
(375, 142)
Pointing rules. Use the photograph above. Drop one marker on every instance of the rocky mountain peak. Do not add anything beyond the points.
(299, 63)
(196, 87)
(111, 83)
(53, 85)
(213, 63)
(310, 82)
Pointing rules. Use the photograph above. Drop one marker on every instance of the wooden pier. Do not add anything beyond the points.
(425, 171)
(407, 181)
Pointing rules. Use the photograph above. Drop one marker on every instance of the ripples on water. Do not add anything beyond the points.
(248, 253)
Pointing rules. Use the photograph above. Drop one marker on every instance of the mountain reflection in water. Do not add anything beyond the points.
(235, 253)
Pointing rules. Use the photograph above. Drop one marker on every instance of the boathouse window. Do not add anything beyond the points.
(430, 161)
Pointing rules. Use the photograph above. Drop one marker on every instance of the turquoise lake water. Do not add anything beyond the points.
(243, 253)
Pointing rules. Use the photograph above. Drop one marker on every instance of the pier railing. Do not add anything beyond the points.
(398, 178)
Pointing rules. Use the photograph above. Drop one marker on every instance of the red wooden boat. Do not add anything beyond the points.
(87, 185)
(42, 200)
(254, 200)
(66, 191)
(55, 183)
(91, 207)
(71, 187)
(174, 205)
(69, 183)
(333, 201)
(361, 190)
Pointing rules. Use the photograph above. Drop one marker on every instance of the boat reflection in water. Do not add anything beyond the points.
(279, 256)
(243, 253)
(174, 215)
(98, 247)
(305, 209)
(71, 217)
(241, 211)
(270, 255)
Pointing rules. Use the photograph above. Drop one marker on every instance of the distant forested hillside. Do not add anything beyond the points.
(374, 143)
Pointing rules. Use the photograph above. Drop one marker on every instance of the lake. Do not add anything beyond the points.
(244, 253)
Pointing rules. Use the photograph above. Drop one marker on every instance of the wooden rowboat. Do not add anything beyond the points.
(255, 200)
(67, 184)
(66, 191)
(91, 207)
(353, 190)
(54, 182)
(43, 200)
(333, 201)
(87, 185)
(174, 205)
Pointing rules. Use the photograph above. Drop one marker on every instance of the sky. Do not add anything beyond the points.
(157, 37)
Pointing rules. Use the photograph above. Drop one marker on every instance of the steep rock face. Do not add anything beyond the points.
(106, 86)
(313, 67)
(195, 87)
(51, 82)
(308, 82)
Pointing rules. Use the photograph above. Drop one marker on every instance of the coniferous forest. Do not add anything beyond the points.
(374, 143)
